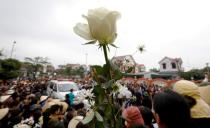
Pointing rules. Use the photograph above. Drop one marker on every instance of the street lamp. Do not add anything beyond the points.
(13, 45)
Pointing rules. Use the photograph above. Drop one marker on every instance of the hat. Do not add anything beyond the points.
(73, 123)
(133, 116)
(47, 105)
(3, 112)
(4, 98)
(205, 93)
(188, 88)
(21, 126)
(10, 92)
(65, 106)
(42, 98)
(52, 102)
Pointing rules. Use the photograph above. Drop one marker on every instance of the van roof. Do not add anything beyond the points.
(60, 82)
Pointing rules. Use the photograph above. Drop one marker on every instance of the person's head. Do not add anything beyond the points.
(67, 96)
(79, 106)
(71, 90)
(199, 108)
(34, 100)
(55, 109)
(171, 110)
(147, 115)
(69, 115)
(37, 114)
(147, 102)
(55, 124)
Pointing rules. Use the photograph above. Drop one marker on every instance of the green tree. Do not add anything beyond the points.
(206, 69)
(81, 71)
(10, 68)
(1, 54)
(154, 70)
(68, 71)
(196, 74)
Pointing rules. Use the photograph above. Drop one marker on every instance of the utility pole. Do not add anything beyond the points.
(86, 55)
(207, 66)
(13, 45)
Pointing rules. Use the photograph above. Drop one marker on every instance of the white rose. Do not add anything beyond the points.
(101, 26)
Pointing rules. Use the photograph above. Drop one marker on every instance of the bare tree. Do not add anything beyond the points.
(37, 63)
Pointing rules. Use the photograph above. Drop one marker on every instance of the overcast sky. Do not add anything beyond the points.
(178, 28)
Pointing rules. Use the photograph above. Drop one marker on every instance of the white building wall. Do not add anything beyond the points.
(168, 66)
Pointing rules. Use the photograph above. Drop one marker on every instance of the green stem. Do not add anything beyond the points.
(105, 54)
(112, 100)
(113, 111)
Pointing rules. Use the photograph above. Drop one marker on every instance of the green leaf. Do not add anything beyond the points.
(113, 45)
(108, 84)
(98, 116)
(108, 48)
(99, 46)
(99, 69)
(102, 79)
(106, 68)
(99, 93)
(108, 111)
(117, 74)
(99, 124)
(91, 42)
(88, 118)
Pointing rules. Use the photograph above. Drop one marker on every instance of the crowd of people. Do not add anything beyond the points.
(153, 107)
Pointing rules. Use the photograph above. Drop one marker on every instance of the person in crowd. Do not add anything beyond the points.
(67, 99)
(200, 111)
(14, 117)
(147, 102)
(71, 97)
(81, 125)
(55, 124)
(138, 96)
(80, 109)
(37, 113)
(4, 113)
(147, 116)
(75, 121)
(32, 121)
(205, 93)
(133, 117)
(171, 110)
(43, 100)
(26, 107)
(68, 116)
(54, 110)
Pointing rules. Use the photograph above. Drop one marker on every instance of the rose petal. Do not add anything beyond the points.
(98, 12)
(83, 31)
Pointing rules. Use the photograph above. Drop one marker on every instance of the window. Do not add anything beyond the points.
(173, 65)
(54, 87)
(67, 87)
(51, 85)
(164, 65)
